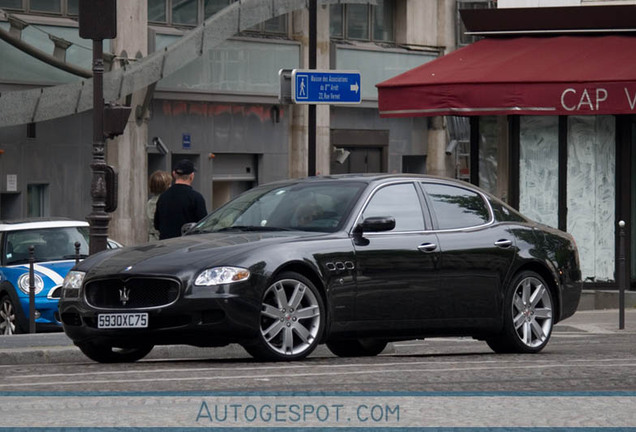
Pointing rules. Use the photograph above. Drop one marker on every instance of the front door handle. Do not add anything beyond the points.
(427, 247)
(503, 243)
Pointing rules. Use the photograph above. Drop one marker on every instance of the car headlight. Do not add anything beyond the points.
(23, 283)
(222, 275)
(73, 280)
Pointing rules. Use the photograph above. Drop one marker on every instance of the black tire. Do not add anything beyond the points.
(109, 354)
(357, 347)
(10, 322)
(292, 320)
(528, 316)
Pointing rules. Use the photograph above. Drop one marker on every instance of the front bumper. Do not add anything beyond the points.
(203, 318)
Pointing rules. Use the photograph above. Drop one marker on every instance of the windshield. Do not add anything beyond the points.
(51, 244)
(321, 207)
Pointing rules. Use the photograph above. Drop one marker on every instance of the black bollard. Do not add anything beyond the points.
(31, 289)
(77, 252)
(621, 275)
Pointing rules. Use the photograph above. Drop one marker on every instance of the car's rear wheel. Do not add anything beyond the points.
(9, 319)
(528, 316)
(357, 347)
(291, 322)
(108, 354)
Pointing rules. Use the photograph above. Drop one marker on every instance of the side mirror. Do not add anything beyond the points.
(187, 227)
(375, 224)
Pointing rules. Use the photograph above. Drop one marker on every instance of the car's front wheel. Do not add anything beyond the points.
(108, 354)
(291, 322)
(9, 322)
(528, 316)
(357, 347)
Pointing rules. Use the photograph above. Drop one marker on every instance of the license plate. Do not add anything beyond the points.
(122, 320)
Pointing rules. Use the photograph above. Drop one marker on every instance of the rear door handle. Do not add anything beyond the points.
(503, 243)
(427, 247)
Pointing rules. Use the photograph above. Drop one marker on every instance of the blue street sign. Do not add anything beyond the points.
(325, 87)
(186, 141)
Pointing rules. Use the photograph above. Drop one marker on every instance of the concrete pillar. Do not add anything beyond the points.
(298, 166)
(127, 153)
(436, 159)
(323, 112)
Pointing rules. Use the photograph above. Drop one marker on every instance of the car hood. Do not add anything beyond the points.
(188, 253)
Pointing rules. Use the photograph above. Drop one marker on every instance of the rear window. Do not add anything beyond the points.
(455, 207)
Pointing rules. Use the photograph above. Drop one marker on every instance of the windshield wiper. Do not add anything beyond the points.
(81, 256)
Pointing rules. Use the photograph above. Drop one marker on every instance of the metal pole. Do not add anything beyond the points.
(311, 139)
(621, 275)
(31, 289)
(98, 219)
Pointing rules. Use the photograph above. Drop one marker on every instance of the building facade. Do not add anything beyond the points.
(221, 109)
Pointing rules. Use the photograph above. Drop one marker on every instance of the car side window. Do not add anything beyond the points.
(456, 207)
(399, 201)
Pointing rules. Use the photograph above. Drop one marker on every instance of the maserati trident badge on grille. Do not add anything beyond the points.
(124, 295)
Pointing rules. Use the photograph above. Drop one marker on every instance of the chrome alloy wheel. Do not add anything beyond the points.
(532, 312)
(7, 317)
(290, 317)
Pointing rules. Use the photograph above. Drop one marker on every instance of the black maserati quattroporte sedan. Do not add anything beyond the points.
(353, 261)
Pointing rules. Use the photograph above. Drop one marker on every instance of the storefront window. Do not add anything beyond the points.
(539, 168)
(632, 229)
(591, 193)
(493, 155)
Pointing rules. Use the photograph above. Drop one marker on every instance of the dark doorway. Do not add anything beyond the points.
(359, 151)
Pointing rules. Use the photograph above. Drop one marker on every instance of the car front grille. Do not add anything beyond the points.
(131, 293)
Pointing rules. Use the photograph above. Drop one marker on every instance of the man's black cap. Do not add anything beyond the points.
(184, 166)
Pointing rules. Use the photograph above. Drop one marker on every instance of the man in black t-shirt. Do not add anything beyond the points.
(180, 204)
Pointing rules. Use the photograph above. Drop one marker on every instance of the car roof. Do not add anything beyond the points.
(38, 223)
(369, 178)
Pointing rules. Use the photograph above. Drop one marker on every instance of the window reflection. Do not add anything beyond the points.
(157, 11)
(10, 4)
(184, 12)
(457, 207)
(46, 6)
(363, 22)
(213, 6)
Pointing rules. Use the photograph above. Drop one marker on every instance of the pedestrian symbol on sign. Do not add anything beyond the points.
(302, 87)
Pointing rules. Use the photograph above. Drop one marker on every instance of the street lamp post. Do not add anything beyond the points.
(98, 219)
(98, 21)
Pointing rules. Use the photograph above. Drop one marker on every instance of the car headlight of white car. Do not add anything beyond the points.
(221, 275)
(23, 283)
(73, 280)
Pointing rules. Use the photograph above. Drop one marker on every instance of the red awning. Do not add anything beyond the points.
(562, 75)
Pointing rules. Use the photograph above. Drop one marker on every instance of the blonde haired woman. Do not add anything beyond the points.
(158, 183)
